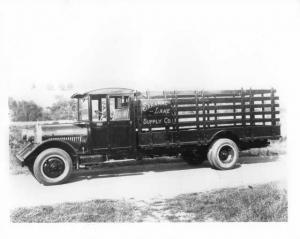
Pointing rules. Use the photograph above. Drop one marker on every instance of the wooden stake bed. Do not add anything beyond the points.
(182, 118)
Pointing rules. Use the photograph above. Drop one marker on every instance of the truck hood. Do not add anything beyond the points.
(49, 131)
(63, 129)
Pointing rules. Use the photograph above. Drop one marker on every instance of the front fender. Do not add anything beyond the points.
(25, 152)
(31, 150)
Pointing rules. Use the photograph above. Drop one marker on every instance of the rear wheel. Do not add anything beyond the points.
(223, 154)
(52, 166)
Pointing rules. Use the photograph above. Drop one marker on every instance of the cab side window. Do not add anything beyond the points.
(119, 108)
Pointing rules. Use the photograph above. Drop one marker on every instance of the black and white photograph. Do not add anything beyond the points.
(124, 115)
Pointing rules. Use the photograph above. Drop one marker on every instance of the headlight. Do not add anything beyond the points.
(28, 134)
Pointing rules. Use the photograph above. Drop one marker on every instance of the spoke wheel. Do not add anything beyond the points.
(226, 154)
(52, 166)
(223, 154)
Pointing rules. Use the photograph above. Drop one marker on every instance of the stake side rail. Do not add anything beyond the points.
(223, 109)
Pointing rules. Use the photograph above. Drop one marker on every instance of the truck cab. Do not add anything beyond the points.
(108, 115)
(104, 129)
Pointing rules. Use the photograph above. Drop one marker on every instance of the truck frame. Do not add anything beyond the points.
(118, 123)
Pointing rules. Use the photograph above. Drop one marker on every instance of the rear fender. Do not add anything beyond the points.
(225, 134)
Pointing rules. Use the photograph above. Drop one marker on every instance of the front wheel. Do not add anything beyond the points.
(223, 154)
(52, 166)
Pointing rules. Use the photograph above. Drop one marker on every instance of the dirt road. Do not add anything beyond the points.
(149, 181)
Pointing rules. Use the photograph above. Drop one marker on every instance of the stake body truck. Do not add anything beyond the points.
(118, 123)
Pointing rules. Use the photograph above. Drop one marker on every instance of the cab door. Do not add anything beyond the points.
(120, 134)
(120, 125)
(111, 127)
(99, 124)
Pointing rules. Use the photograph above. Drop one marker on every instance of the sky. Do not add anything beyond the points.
(52, 48)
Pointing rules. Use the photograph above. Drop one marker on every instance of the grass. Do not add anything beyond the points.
(91, 211)
(263, 203)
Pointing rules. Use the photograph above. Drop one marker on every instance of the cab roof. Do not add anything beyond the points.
(107, 91)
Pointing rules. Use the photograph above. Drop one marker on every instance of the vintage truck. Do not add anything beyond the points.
(118, 123)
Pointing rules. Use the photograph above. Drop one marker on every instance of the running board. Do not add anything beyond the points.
(92, 159)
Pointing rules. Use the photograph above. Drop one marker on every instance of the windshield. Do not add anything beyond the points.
(99, 113)
(83, 112)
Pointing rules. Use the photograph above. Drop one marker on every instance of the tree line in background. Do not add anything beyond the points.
(24, 110)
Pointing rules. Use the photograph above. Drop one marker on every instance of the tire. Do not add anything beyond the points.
(52, 166)
(223, 154)
(209, 157)
(195, 157)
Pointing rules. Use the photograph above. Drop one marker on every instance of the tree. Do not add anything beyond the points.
(24, 110)
(29, 111)
(63, 109)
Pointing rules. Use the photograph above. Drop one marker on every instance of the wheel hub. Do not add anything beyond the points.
(226, 154)
(53, 167)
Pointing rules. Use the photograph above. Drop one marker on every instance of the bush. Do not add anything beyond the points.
(16, 143)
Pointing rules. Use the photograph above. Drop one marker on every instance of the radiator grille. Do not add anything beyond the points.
(78, 139)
